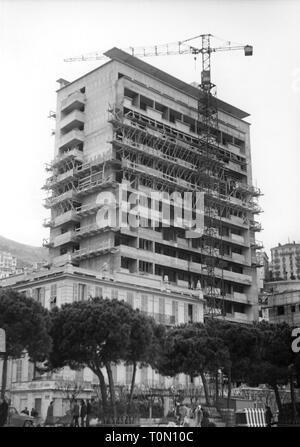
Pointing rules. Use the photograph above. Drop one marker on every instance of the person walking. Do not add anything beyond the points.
(88, 413)
(76, 413)
(50, 414)
(268, 416)
(25, 411)
(83, 412)
(198, 415)
(3, 412)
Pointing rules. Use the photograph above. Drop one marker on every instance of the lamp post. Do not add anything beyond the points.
(293, 401)
(4, 364)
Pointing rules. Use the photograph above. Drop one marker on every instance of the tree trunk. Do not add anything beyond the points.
(111, 389)
(4, 375)
(277, 396)
(229, 388)
(205, 387)
(103, 390)
(217, 386)
(294, 409)
(132, 386)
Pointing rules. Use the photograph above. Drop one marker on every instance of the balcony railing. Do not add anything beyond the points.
(74, 120)
(71, 138)
(71, 153)
(74, 101)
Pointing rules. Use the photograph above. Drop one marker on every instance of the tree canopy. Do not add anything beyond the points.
(27, 327)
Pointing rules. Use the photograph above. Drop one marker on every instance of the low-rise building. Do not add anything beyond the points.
(284, 302)
(166, 303)
(8, 264)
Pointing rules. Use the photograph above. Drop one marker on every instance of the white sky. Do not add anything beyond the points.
(35, 37)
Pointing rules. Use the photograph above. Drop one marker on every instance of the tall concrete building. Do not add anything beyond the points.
(8, 264)
(285, 261)
(125, 133)
(128, 128)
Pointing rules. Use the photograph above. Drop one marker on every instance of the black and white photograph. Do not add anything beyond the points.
(149, 230)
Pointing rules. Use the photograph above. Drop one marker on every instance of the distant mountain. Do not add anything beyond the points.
(25, 254)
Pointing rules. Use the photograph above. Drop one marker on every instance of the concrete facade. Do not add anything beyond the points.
(285, 261)
(8, 264)
(284, 302)
(130, 125)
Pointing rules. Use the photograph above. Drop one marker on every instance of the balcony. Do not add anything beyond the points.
(85, 253)
(238, 317)
(258, 245)
(69, 216)
(62, 239)
(48, 222)
(87, 209)
(237, 238)
(255, 226)
(238, 258)
(72, 138)
(86, 186)
(74, 120)
(240, 297)
(87, 230)
(75, 101)
(47, 243)
(249, 189)
(72, 153)
(55, 180)
(168, 320)
(54, 200)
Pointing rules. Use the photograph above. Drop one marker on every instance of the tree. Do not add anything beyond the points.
(190, 349)
(273, 356)
(27, 326)
(141, 348)
(94, 333)
(239, 342)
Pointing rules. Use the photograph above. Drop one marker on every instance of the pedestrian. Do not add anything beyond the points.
(268, 416)
(50, 418)
(3, 412)
(88, 413)
(83, 411)
(76, 413)
(25, 411)
(198, 415)
(34, 413)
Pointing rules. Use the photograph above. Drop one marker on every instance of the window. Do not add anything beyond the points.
(114, 294)
(19, 370)
(190, 313)
(81, 292)
(144, 303)
(98, 292)
(280, 310)
(293, 309)
(130, 298)
(53, 295)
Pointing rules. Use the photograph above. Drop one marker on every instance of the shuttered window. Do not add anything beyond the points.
(130, 298)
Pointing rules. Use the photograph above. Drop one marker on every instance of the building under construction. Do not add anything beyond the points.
(128, 130)
(128, 123)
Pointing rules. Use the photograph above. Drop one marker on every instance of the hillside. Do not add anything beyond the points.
(25, 254)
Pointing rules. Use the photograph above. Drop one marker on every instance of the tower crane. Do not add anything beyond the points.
(208, 128)
(176, 48)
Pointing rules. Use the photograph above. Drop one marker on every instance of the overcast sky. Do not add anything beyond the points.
(35, 37)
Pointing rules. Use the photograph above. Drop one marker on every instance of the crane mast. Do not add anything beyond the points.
(212, 169)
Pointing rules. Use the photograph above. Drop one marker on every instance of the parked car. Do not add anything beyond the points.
(16, 419)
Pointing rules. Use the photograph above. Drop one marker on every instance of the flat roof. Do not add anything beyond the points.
(138, 64)
(132, 61)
